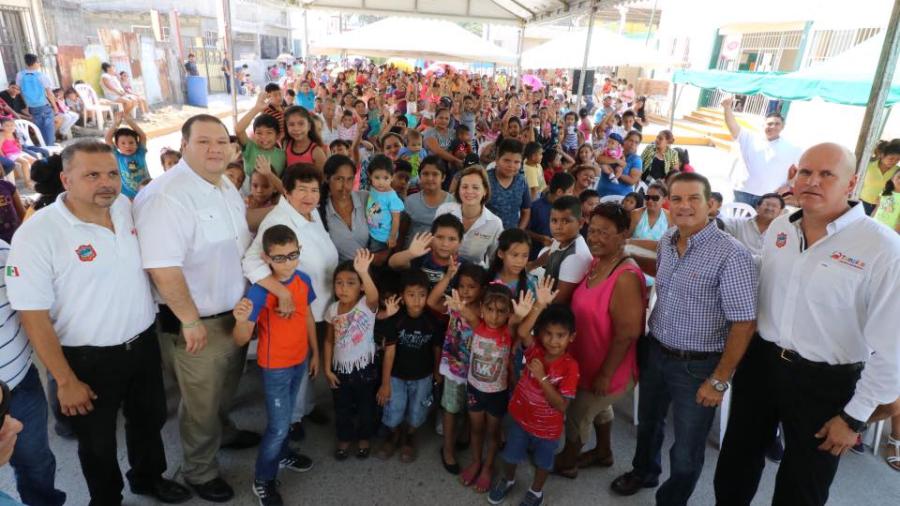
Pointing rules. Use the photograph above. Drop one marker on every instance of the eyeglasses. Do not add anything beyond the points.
(654, 198)
(280, 259)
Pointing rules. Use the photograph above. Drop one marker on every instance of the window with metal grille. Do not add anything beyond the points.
(825, 44)
(13, 41)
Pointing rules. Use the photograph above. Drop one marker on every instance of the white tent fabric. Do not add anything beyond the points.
(608, 49)
(509, 12)
(414, 38)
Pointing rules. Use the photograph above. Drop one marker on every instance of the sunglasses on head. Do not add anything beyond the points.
(280, 259)
(654, 198)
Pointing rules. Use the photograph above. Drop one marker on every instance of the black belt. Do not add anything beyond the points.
(684, 354)
(218, 315)
(126, 346)
(794, 358)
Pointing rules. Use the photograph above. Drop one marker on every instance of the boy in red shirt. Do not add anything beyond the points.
(541, 396)
(281, 354)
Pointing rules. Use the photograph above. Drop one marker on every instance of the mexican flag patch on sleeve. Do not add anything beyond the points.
(12, 271)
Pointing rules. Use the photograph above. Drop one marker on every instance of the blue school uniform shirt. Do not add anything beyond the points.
(133, 169)
(379, 207)
(539, 222)
(507, 203)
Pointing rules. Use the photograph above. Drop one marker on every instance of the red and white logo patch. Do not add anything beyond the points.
(780, 240)
(86, 253)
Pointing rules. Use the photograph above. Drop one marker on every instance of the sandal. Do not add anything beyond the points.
(469, 474)
(893, 458)
(341, 453)
(571, 473)
(363, 453)
(591, 459)
(387, 450)
(483, 483)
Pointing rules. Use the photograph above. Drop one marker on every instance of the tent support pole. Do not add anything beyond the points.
(873, 123)
(675, 97)
(229, 54)
(587, 52)
(519, 48)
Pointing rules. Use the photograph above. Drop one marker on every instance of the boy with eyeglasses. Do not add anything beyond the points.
(281, 354)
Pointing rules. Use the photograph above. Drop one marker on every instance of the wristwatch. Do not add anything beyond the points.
(719, 386)
(854, 424)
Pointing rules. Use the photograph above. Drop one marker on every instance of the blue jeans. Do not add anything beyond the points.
(281, 386)
(37, 151)
(668, 380)
(32, 460)
(409, 400)
(7, 164)
(746, 198)
(43, 118)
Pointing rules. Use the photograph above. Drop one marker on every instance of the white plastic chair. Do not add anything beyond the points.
(94, 105)
(641, 187)
(26, 129)
(738, 210)
(612, 198)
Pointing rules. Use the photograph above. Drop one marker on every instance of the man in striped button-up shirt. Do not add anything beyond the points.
(32, 458)
(700, 327)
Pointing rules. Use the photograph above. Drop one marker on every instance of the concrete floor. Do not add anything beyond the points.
(861, 480)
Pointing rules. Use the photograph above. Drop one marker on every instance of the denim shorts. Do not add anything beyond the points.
(494, 404)
(518, 440)
(375, 245)
(410, 401)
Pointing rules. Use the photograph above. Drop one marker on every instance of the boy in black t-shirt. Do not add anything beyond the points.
(432, 253)
(411, 361)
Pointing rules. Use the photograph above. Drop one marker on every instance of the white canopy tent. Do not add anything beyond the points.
(414, 38)
(607, 49)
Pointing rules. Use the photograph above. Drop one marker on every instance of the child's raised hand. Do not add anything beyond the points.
(453, 268)
(537, 368)
(545, 292)
(453, 301)
(391, 306)
(261, 100)
(523, 306)
(362, 261)
(420, 245)
(243, 309)
(263, 166)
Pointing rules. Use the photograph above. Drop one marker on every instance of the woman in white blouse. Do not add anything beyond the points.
(482, 226)
(298, 210)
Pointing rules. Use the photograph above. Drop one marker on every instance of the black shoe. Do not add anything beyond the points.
(318, 416)
(450, 468)
(296, 462)
(267, 492)
(630, 483)
(243, 440)
(64, 430)
(775, 451)
(167, 491)
(297, 432)
(214, 490)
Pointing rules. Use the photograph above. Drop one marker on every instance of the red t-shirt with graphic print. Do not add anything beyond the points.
(529, 406)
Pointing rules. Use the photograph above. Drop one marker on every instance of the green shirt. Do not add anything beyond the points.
(889, 210)
(275, 156)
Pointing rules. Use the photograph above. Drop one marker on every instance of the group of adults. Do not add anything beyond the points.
(778, 334)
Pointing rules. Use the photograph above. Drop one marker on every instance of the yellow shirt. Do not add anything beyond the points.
(874, 182)
(534, 176)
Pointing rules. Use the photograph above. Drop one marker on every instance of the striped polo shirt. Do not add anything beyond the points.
(15, 350)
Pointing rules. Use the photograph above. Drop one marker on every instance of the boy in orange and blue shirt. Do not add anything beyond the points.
(283, 346)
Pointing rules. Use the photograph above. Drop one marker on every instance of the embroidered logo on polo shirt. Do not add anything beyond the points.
(848, 260)
(780, 240)
(86, 253)
(12, 271)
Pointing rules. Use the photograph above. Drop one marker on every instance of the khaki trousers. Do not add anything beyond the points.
(207, 381)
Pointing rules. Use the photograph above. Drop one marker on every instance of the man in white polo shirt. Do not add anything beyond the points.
(32, 459)
(750, 231)
(75, 277)
(767, 158)
(193, 233)
(827, 353)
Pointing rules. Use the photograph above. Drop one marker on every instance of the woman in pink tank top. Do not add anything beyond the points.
(610, 306)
